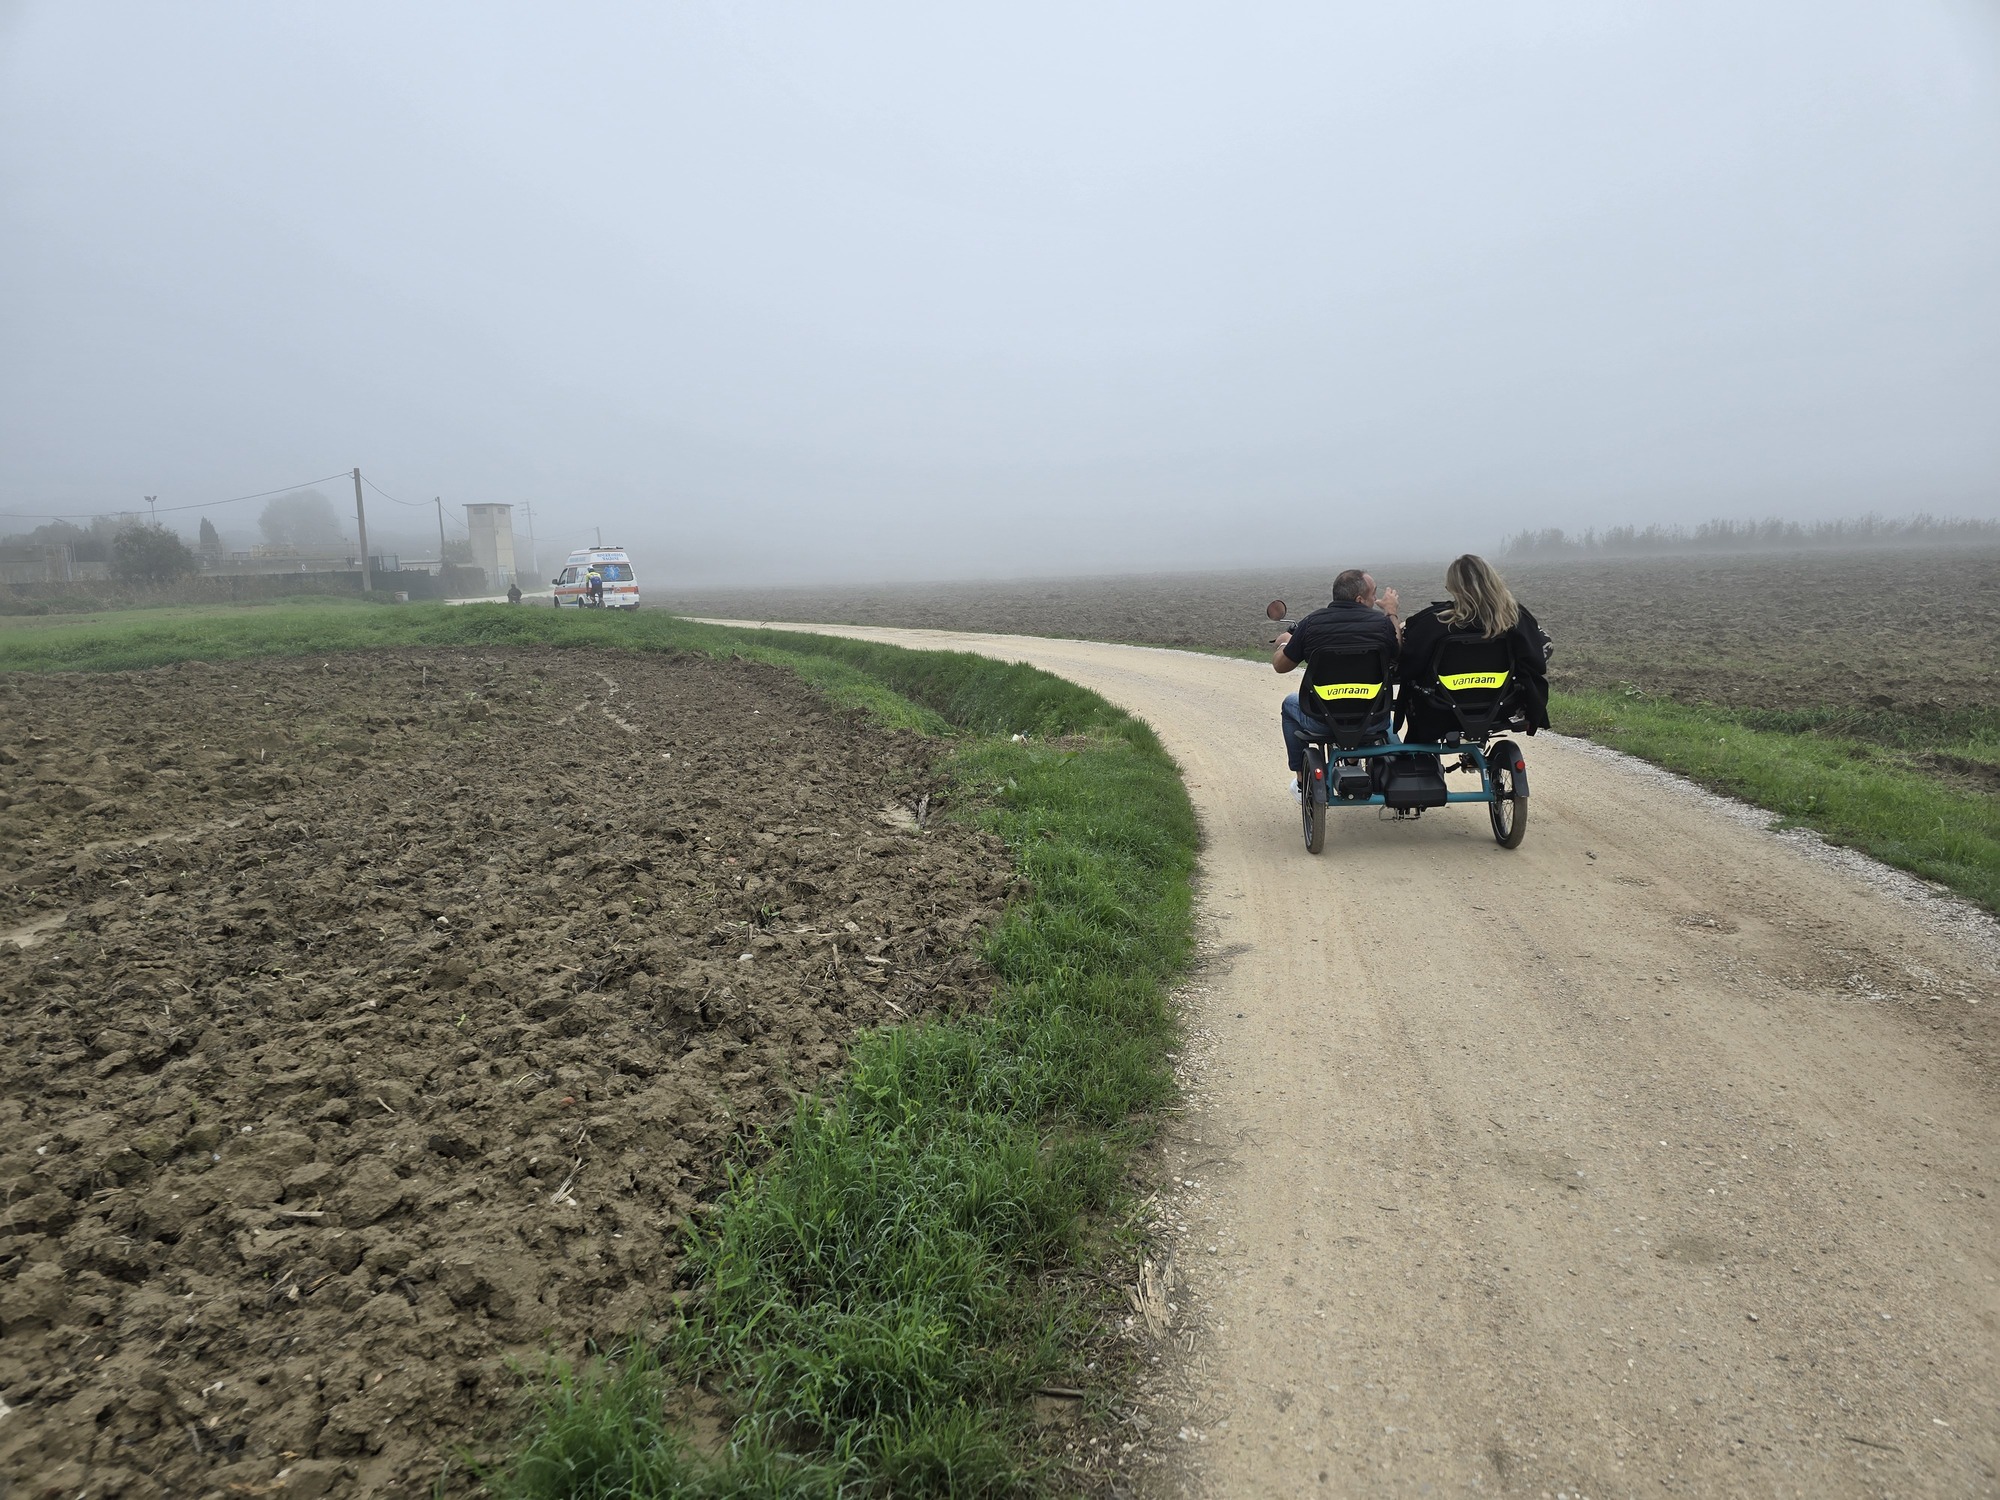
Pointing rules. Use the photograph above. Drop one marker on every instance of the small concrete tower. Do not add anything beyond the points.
(492, 529)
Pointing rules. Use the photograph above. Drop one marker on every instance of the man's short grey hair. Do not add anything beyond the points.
(1351, 585)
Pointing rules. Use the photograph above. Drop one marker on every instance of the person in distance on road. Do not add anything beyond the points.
(1479, 605)
(1358, 619)
(513, 593)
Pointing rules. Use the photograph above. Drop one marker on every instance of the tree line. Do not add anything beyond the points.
(133, 550)
(1772, 534)
(137, 551)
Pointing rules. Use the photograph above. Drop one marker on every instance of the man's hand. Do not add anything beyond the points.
(1281, 663)
(1388, 601)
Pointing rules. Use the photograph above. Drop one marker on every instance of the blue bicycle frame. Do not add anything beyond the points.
(1332, 753)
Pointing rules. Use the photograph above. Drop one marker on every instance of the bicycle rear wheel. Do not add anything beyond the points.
(1509, 809)
(1312, 800)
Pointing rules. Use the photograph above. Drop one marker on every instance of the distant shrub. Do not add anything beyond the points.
(1771, 534)
(151, 554)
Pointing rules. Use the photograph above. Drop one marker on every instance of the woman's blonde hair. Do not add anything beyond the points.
(1480, 595)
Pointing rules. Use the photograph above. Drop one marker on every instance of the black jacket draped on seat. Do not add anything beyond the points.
(1427, 629)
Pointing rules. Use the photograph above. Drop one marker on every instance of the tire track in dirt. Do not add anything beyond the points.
(1654, 1157)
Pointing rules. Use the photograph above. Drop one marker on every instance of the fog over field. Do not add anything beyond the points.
(878, 291)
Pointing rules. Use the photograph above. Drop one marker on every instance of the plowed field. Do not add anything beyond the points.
(366, 1023)
(1905, 632)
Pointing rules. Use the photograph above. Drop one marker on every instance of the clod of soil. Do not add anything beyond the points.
(387, 1018)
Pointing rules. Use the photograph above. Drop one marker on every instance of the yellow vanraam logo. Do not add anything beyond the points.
(1347, 689)
(1459, 682)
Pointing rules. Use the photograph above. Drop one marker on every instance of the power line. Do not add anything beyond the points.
(413, 504)
(13, 515)
(456, 519)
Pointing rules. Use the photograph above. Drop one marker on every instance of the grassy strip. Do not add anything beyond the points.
(872, 1304)
(212, 623)
(1969, 732)
(876, 1304)
(1848, 790)
(293, 627)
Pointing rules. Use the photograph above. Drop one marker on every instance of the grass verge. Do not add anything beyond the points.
(1851, 790)
(876, 1304)
(879, 1298)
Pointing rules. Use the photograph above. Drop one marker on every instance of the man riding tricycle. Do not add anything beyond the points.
(1387, 710)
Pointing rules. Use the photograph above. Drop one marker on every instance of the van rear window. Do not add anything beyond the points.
(615, 572)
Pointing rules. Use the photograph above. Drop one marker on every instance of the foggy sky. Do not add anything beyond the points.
(859, 290)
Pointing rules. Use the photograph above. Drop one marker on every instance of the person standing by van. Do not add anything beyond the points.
(594, 581)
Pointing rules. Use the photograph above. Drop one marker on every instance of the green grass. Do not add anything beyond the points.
(213, 632)
(880, 1296)
(1850, 789)
(142, 619)
(1967, 731)
(874, 1302)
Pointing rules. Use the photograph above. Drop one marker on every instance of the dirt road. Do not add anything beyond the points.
(1655, 1157)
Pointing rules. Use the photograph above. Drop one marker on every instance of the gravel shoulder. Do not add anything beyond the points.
(1655, 1157)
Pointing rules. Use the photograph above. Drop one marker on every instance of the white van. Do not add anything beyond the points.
(614, 566)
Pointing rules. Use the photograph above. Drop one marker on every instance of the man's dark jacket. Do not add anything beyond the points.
(1343, 625)
(1427, 627)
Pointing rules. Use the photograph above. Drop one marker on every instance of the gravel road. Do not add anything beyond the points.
(1655, 1157)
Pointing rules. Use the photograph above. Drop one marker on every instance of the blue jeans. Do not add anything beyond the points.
(1301, 730)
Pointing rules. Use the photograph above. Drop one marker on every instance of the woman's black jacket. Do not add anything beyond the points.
(1427, 627)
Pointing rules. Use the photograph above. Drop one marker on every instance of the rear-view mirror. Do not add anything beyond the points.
(1275, 610)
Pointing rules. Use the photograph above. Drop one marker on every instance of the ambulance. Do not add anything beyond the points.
(614, 566)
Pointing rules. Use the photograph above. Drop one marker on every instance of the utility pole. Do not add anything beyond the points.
(361, 525)
(438, 501)
(534, 551)
(154, 509)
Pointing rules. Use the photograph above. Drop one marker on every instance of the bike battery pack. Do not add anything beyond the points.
(1410, 781)
(1352, 781)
